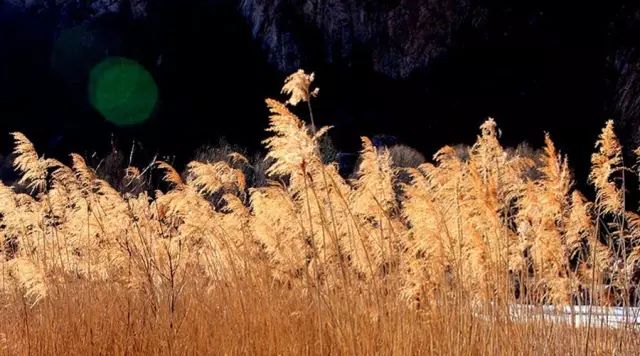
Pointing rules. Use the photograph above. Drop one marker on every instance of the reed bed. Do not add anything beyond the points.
(392, 261)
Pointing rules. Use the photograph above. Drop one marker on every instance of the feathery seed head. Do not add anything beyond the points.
(297, 86)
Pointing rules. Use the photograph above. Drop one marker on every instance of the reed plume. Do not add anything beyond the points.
(34, 169)
(606, 165)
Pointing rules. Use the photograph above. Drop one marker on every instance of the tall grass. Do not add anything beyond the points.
(393, 261)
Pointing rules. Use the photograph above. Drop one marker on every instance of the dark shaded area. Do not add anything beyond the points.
(534, 66)
(211, 78)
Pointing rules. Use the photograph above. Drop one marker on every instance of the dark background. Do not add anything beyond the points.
(534, 66)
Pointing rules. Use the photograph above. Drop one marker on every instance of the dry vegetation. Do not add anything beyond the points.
(312, 263)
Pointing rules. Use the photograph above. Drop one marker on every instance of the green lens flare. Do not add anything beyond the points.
(122, 91)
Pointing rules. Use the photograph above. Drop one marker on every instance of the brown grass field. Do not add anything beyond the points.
(399, 261)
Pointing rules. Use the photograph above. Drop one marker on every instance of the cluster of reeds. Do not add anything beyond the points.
(490, 226)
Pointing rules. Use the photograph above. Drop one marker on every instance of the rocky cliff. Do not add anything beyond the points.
(396, 37)
(465, 58)
(624, 65)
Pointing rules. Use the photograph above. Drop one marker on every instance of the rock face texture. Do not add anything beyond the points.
(439, 60)
(624, 63)
(626, 92)
(397, 37)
